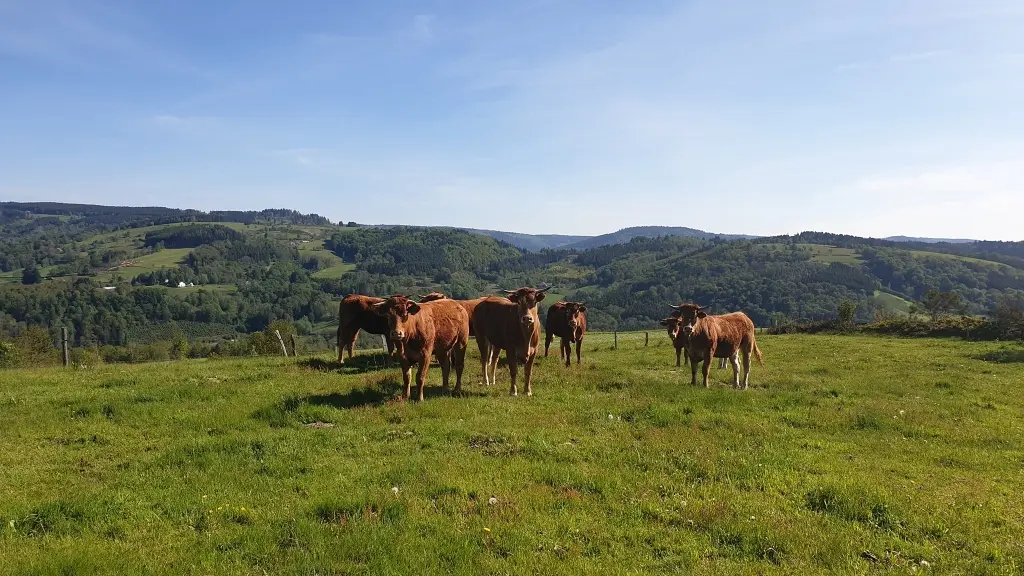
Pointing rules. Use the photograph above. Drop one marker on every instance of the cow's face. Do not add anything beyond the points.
(526, 300)
(574, 312)
(672, 325)
(688, 316)
(397, 310)
(432, 297)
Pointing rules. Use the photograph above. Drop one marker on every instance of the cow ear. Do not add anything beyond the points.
(664, 322)
(540, 296)
(583, 308)
(702, 314)
(514, 296)
(378, 308)
(413, 308)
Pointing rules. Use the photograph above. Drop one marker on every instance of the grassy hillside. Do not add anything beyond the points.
(828, 464)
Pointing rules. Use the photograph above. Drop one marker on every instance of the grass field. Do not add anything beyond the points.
(944, 256)
(167, 258)
(848, 455)
(829, 254)
(892, 302)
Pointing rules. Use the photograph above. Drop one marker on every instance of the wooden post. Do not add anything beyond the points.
(384, 343)
(64, 346)
(295, 350)
(647, 338)
(615, 341)
(281, 340)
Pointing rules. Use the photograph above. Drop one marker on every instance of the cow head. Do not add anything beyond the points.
(574, 313)
(397, 310)
(688, 316)
(672, 325)
(432, 297)
(526, 300)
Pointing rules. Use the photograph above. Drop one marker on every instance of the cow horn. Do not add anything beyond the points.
(509, 291)
(674, 307)
(545, 289)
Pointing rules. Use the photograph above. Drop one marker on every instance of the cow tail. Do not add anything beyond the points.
(757, 353)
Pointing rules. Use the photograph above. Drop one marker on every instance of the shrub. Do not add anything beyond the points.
(9, 356)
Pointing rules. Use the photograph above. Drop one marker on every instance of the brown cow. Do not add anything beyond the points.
(568, 321)
(718, 337)
(679, 341)
(469, 305)
(354, 314)
(439, 328)
(510, 324)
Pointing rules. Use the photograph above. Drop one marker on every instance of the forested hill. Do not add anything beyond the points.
(110, 274)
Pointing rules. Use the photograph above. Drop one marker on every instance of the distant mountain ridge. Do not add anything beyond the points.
(930, 240)
(535, 242)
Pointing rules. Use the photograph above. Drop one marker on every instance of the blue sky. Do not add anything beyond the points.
(870, 117)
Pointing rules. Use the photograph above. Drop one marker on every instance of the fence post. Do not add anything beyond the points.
(647, 338)
(384, 343)
(615, 342)
(295, 350)
(281, 340)
(64, 345)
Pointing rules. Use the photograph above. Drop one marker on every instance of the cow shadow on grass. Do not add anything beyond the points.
(1004, 356)
(359, 364)
(287, 409)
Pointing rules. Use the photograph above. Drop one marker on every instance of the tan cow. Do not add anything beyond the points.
(718, 337)
(355, 314)
(679, 341)
(469, 305)
(568, 321)
(510, 324)
(439, 328)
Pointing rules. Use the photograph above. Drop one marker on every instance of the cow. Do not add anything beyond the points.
(679, 341)
(355, 314)
(721, 336)
(568, 321)
(469, 305)
(439, 328)
(510, 324)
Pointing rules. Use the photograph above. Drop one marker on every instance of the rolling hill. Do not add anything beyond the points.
(251, 268)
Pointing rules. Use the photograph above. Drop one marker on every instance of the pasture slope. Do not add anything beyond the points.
(848, 455)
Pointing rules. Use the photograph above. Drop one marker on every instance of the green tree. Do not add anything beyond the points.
(847, 309)
(179, 348)
(31, 275)
(938, 304)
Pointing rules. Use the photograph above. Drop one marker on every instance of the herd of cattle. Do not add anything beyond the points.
(440, 327)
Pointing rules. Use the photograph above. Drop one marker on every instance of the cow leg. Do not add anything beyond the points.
(567, 352)
(341, 344)
(406, 378)
(459, 359)
(485, 358)
(579, 343)
(746, 369)
(721, 363)
(735, 360)
(528, 373)
(445, 360)
(513, 366)
(421, 372)
(679, 353)
(694, 363)
(706, 368)
(494, 355)
(548, 337)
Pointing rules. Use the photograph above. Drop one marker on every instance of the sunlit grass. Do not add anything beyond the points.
(847, 455)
